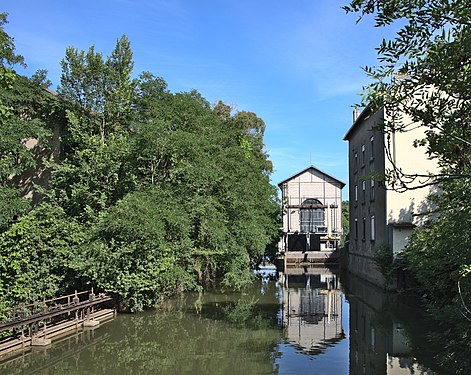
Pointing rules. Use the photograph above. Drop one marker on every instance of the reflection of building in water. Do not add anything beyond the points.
(312, 309)
(378, 343)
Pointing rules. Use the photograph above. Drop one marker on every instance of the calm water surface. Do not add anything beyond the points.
(308, 321)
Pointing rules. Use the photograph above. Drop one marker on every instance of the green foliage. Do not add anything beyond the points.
(27, 117)
(243, 314)
(92, 177)
(11, 204)
(102, 90)
(140, 249)
(439, 253)
(384, 260)
(39, 78)
(8, 54)
(439, 256)
(156, 192)
(38, 256)
(345, 220)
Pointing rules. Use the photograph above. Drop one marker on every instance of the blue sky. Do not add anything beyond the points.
(296, 64)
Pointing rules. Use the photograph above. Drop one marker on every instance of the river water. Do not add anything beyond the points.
(307, 321)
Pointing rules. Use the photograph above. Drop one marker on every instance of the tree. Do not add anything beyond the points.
(40, 79)
(94, 173)
(8, 54)
(425, 73)
(102, 89)
(345, 219)
(22, 109)
(155, 192)
(42, 246)
(140, 249)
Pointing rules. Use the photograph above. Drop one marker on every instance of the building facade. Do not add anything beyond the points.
(312, 209)
(380, 215)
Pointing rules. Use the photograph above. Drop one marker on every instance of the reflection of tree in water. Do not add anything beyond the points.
(38, 360)
(243, 314)
(439, 342)
(176, 340)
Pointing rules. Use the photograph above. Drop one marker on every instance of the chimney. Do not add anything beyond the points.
(356, 113)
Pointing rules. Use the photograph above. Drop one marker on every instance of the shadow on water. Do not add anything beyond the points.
(306, 320)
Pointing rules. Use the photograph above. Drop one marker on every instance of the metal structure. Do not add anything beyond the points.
(30, 324)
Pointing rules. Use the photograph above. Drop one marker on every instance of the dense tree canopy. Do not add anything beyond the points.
(155, 192)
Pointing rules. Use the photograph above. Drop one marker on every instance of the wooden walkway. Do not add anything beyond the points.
(37, 323)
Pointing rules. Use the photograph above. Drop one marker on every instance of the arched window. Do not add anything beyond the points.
(312, 217)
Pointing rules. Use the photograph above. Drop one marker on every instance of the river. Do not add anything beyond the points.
(308, 321)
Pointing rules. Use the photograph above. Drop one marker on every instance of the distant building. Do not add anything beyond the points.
(312, 309)
(312, 209)
(379, 215)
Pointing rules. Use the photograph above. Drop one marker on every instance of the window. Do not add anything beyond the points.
(372, 190)
(372, 142)
(363, 188)
(373, 228)
(364, 229)
(362, 155)
(356, 193)
(356, 229)
(312, 217)
(372, 338)
(355, 161)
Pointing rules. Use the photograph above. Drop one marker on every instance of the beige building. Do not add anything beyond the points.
(312, 309)
(379, 214)
(312, 209)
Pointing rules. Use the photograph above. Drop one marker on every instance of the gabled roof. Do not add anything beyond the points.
(342, 184)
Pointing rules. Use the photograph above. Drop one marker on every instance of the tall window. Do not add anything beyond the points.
(373, 228)
(372, 143)
(364, 229)
(363, 188)
(356, 229)
(312, 217)
(362, 155)
(355, 160)
(356, 193)
(372, 190)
